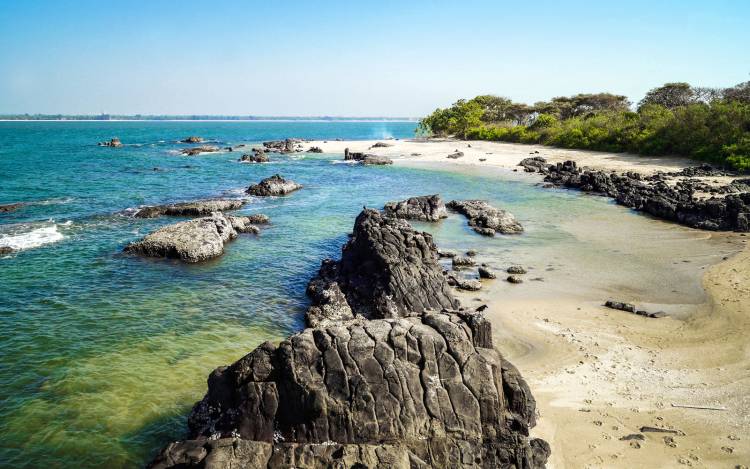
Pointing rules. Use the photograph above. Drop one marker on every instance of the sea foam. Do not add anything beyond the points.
(32, 239)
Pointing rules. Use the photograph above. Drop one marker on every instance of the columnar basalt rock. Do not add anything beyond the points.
(382, 380)
(486, 219)
(422, 208)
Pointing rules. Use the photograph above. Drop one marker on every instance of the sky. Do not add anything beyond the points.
(354, 58)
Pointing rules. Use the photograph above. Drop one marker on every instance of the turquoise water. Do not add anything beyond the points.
(102, 354)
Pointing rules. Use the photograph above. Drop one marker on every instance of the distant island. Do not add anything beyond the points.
(194, 117)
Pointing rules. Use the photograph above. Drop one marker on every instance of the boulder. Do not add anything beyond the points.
(5, 250)
(535, 164)
(514, 279)
(196, 208)
(486, 219)
(366, 158)
(381, 145)
(516, 270)
(460, 261)
(446, 253)
(486, 272)
(194, 240)
(315, 150)
(273, 186)
(288, 145)
(423, 208)
(630, 308)
(115, 142)
(456, 155)
(192, 139)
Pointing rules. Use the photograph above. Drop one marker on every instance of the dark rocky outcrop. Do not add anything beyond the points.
(315, 150)
(516, 270)
(423, 208)
(199, 150)
(5, 250)
(534, 164)
(486, 272)
(194, 240)
(514, 279)
(196, 208)
(398, 385)
(273, 186)
(192, 139)
(289, 145)
(7, 208)
(366, 158)
(387, 269)
(114, 143)
(381, 145)
(654, 195)
(456, 155)
(258, 156)
(486, 219)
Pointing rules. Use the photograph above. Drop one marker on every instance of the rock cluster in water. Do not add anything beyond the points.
(406, 380)
(196, 208)
(199, 150)
(422, 208)
(486, 219)
(192, 139)
(366, 158)
(275, 185)
(289, 145)
(671, 196)
(258, 156)
(195, 240)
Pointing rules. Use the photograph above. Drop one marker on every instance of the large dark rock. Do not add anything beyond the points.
(486, 219)
(288, 145)
(534, 164)
(192, 139)
(423, 208)
(652, 194)
(366, 158)
(274, 185)
(194, 240)
(393, 377)
(196, 208)
(428, 391)
(387, 269)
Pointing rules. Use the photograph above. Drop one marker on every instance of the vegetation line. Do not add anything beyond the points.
(709, 124)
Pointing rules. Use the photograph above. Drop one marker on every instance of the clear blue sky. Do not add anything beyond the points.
(354, 58)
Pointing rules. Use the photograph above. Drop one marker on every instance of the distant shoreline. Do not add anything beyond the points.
(265, 119)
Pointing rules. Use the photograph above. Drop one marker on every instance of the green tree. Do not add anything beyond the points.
(670, 95)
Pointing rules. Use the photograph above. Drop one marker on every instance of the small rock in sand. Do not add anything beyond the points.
(460, 261)
(516, 270)
(514, 279)
(485, 272)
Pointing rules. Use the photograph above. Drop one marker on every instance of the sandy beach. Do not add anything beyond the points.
(600, 375)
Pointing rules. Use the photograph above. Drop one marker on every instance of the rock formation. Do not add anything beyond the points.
(410, 387)
(115, 142)
(274, 185)
(289, 145)
(366, 158)
(258, 156)
(315, 150)
(194, 240)
(676, 201)
(486, 219)
(6, 208)
(423, 208)
(192, 139)
(198, 150)
(196, 208)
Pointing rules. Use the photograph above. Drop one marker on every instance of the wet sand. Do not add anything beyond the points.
(599, 374)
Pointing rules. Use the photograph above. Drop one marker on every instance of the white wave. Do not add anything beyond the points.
(344, 162)
(34, 238)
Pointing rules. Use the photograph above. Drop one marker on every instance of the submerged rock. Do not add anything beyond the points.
(194, 240)
(199, 150)
(196, 208)
(7, 208)
(486, 219)
(274, 185)
(115, 142)
(423, 208)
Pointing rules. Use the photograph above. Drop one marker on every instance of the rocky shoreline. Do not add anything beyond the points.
(675, 196)
(392, 373)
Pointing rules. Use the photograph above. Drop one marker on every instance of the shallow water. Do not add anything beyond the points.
(102, 354)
